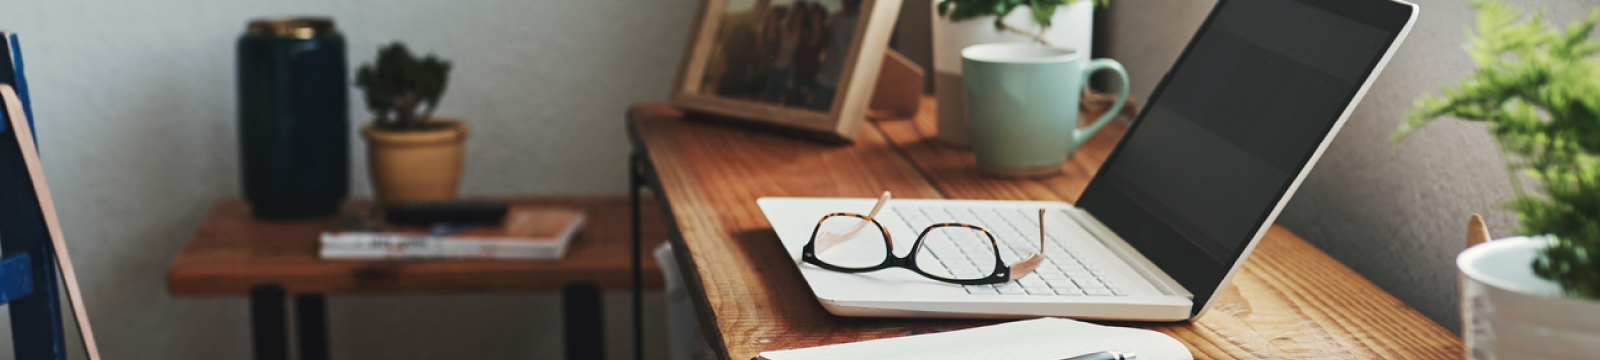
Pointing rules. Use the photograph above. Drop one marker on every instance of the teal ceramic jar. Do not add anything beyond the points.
(294, 126)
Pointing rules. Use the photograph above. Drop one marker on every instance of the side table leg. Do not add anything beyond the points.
(311, 319)
(635, 181)
(582, 312)
(269, 325)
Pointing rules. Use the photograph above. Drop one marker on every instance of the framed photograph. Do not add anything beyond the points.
(801, 64)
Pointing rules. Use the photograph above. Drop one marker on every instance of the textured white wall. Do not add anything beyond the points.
(1395, 214)
(136, 111)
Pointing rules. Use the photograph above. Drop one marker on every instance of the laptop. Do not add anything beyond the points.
(1197, 179)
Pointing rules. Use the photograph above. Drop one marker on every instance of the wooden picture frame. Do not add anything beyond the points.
(761, 62)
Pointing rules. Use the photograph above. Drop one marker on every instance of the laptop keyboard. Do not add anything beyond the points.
(1017, 230)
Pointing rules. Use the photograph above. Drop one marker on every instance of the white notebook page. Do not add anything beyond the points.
(1037, 339)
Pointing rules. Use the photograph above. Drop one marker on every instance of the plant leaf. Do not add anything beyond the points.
(1042, 12)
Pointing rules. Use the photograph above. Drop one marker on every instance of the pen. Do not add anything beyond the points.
(1104, 355)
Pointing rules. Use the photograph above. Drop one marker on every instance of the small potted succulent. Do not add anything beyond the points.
(1058, 23)
(1538, 89)
(411, 154)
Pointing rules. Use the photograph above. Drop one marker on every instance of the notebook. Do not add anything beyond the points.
(528, 232)
(1037, 339)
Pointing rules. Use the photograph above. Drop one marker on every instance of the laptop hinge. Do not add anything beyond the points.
(1136, 260)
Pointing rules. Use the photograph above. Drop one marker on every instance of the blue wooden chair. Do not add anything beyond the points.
(30, 237)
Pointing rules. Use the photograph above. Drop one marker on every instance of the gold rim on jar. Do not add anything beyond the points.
(305, 27)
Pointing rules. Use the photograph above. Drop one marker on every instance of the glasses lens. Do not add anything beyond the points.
(851, 242)
(956, 252)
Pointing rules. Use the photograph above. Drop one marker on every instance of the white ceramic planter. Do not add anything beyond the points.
(1509, 313)
(1073, 28)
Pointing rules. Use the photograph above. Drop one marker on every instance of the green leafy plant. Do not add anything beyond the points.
(1538, 88)
(1042, 11)
(401, 90)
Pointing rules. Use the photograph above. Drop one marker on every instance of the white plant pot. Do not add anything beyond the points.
(1073, 29)
(1508, 312)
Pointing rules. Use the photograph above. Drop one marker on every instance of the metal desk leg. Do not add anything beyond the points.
(311, 319)
(269, 324)
(636, 180)
(585, 336)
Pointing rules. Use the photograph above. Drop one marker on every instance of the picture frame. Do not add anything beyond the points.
(769, 63)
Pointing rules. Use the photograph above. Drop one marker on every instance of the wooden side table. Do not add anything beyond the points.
(233, 254)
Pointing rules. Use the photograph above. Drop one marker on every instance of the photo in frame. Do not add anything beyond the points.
(797, 64)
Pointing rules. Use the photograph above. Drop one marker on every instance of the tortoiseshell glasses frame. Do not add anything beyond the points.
(822, 241)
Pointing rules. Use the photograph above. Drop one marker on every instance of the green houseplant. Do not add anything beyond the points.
(411, 154)
(1538, 89)
(1042, 11)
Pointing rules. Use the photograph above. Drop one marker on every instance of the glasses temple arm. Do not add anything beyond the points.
(1041, 231)
(828, 239)
(1027, 266)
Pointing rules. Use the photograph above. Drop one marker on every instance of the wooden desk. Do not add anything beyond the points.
(233, 254)
(1289, 301)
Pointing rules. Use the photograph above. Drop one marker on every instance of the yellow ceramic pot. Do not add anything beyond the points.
(416, 165)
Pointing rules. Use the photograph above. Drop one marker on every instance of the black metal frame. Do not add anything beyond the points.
(581, 304)
(269, 324)
(311, 323)
(636, 180)
(1000, 274)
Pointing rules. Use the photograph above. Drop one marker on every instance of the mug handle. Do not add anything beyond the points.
(1081, 134)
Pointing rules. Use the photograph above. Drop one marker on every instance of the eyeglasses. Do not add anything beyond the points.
(956, 253)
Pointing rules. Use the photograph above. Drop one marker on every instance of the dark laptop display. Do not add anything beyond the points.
(1233, 125)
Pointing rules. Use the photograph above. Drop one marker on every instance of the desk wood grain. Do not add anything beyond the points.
(1289, 301)
(233, 252)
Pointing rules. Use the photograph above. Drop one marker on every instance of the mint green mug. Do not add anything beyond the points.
(1022, 105)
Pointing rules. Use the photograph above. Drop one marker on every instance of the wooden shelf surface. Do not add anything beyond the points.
(1290, 300)
(233, 252)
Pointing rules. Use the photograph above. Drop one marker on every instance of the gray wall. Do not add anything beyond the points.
(135, 107)
(1395, 214)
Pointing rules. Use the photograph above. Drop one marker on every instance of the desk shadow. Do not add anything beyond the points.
(827, 138)
(787, 291)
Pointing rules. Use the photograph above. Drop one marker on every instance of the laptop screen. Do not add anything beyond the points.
(1232, 126)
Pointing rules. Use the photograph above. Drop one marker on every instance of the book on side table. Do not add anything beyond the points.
(527, 232)
(1037, 339)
